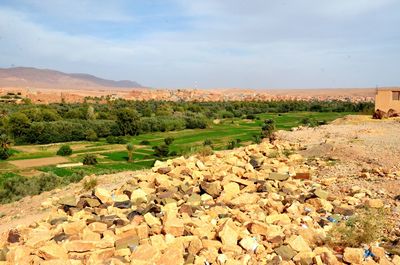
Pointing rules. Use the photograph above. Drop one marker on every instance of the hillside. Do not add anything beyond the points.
(261, 204)
(25, 77)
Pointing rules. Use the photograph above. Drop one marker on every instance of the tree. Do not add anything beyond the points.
(5, 144)
(130, 148)
(89, 159)
(128, 121)
(65, 150)
(169, 140)
(268, 128)
(19, 124)
(90, 114)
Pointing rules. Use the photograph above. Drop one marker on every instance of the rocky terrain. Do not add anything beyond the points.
(261, 204)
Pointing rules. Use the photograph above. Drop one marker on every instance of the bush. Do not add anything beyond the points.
(116, 140)
(205, 151)
(65, 150)
(207, 142)
(4, 154)
(161, 150)
(89, 184)
(365, 227)
(144, 142)
(232, 144)
(257, 139)
(90, 159)
(169, 140)
(268, 128)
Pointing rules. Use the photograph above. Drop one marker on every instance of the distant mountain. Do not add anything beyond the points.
(25, 77)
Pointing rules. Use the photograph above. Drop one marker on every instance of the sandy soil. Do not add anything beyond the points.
(38, 162)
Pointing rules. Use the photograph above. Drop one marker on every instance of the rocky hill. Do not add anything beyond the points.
(260, 204)
(28, 77)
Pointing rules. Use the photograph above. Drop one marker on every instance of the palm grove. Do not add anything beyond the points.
(94, 119)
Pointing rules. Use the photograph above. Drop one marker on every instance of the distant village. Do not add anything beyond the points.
(46, 95)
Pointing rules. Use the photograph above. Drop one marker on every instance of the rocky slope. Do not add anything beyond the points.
(260, 204)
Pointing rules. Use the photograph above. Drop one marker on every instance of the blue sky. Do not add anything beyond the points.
(209, 43)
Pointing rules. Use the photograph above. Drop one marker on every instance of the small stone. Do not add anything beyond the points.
(138, 196)
(103, 195)
(299, 244)
(321, 194)
(353, 255)
(68, 200)
(212, 188)
(163, 170)
(375, 203)
(80, 245)
(286, 252)
(302, 175)
(145, 254)
(123, 204)
(228, 234)
(13, 236)
(53, 251)
(249, 244)
(278, 176)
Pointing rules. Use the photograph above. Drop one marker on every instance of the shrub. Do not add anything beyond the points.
(207, 142)
(116, 140)
(161, 150)
(169, 140)
(65, 150)
(250, 116)
(205, 151)
(4, 154)
(129, 148)
(232, 144)
(366, 226)
(268, 128)
(89, 184)
(257, 138)
(89, 159)
(145, 142)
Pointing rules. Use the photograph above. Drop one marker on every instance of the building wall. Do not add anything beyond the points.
(383, 101)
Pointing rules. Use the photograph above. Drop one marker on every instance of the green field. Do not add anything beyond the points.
(113, 157)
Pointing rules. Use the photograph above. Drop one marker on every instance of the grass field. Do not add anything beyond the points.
(113, 157)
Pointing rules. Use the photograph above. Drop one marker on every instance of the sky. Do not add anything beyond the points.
(208, 43)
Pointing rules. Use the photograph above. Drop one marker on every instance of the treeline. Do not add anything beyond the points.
(28, 123)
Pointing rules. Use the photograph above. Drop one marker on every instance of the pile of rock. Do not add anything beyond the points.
(380, 114)
(252, 205)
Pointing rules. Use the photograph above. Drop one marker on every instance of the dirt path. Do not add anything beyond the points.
(38, 162)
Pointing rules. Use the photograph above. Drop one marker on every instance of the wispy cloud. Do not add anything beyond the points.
(208, 43)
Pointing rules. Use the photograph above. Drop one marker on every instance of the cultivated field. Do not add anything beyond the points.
(31, 160)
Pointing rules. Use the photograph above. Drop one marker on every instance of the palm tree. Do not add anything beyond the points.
(5, 142)
(129, 147)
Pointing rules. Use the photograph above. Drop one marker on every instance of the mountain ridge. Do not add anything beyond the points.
(48, 78)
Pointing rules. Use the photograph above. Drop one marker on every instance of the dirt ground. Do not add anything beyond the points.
(38, 162)
(352, 145)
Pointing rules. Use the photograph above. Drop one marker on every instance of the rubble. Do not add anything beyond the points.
(233, 207)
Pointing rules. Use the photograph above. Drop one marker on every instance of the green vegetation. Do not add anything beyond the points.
(268, 128)
(89, 160)
(5, 145)
(366, 226)
(130, 148)
(90, 184)
(106, 136)
(65, 150)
